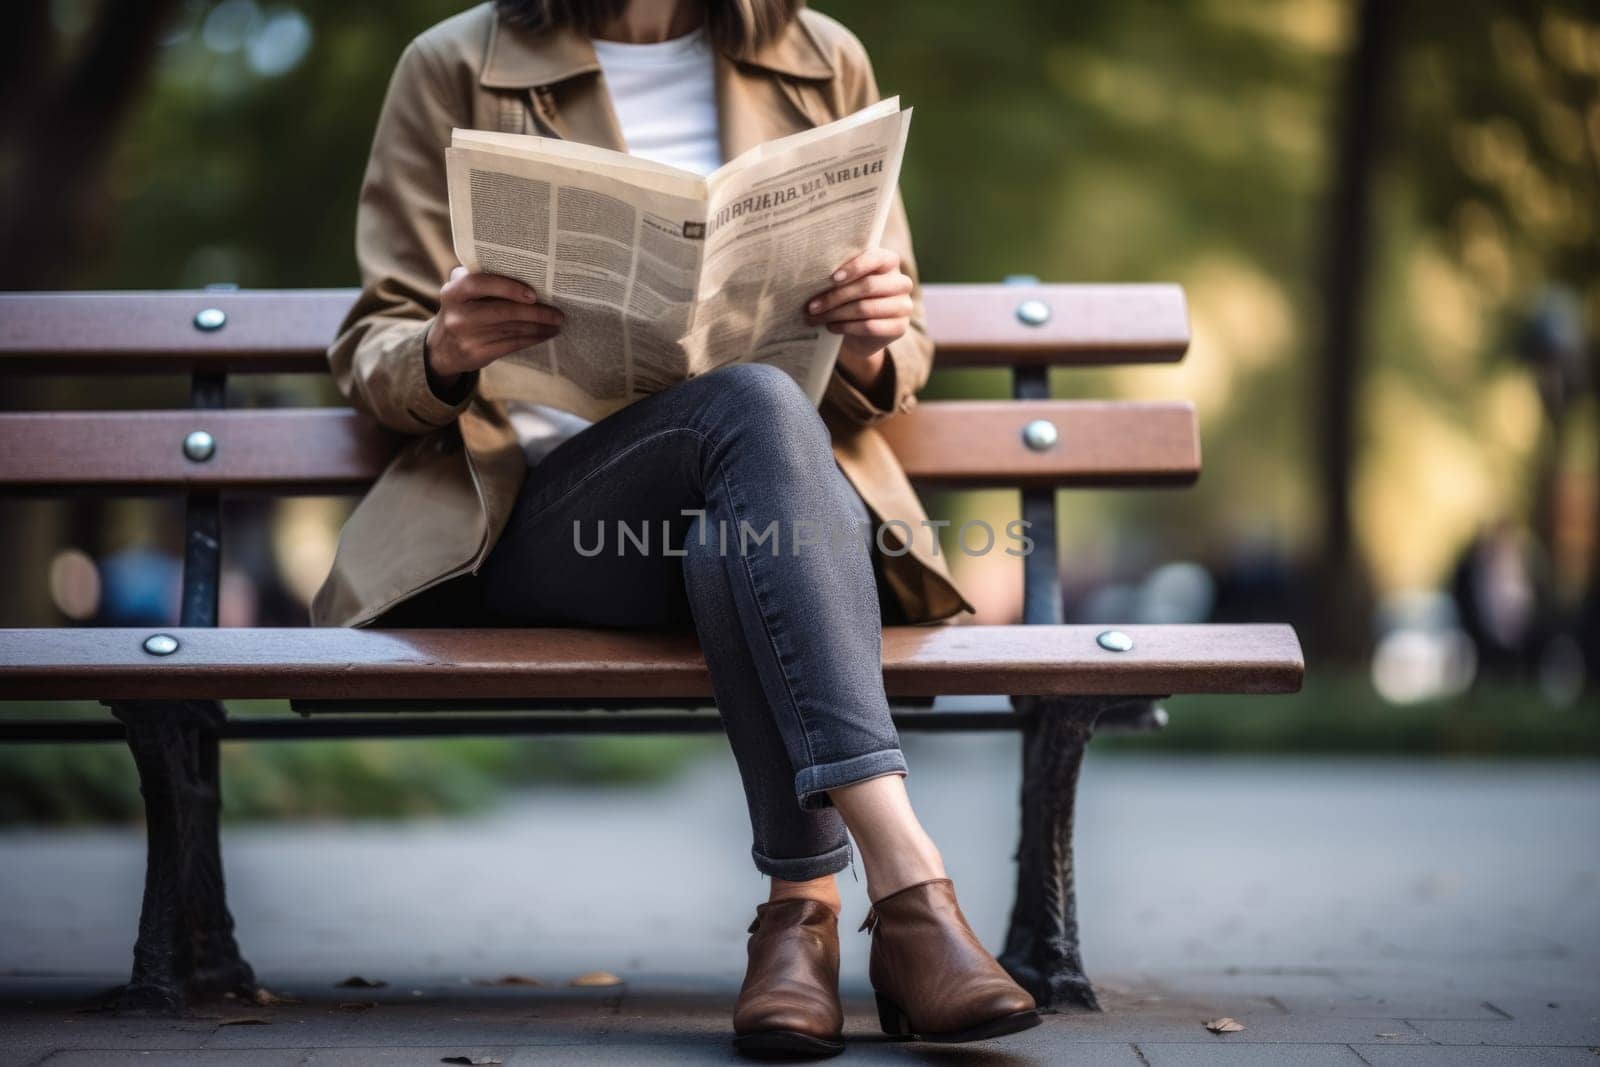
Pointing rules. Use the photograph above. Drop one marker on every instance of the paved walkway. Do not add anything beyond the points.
(1345, 912)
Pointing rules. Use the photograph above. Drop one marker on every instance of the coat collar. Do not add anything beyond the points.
(519, 59)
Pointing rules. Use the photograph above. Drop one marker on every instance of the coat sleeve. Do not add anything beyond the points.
(404, 250)
(909, 360)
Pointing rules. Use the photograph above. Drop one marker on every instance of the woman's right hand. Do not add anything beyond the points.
(481, 318)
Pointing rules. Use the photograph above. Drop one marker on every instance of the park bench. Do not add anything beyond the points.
(165, 686)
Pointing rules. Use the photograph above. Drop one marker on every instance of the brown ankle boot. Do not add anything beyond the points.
(934, 980)
(789, 1004)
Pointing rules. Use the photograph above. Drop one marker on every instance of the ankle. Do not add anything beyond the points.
(901, 868)
(895, 850)
(823, 890)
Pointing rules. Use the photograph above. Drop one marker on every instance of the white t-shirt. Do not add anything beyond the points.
(665, 98)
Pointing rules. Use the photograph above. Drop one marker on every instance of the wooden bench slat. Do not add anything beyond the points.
(137, 332)
(287, 330)
(956, 443)
(545, 663)
(971, 443)
(287, 450)
(979, 325)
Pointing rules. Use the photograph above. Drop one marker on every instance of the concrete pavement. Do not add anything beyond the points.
(1385, 912)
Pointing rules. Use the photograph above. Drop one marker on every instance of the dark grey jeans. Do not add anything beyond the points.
(718, 504)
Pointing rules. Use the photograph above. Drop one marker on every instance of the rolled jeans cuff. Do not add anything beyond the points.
(804, 868)
(812, 783)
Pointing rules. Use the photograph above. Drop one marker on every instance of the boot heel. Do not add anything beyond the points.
(891, 1018)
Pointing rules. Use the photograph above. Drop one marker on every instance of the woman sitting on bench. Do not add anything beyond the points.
(492, 514)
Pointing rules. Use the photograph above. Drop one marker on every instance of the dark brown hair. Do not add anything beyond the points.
(734, 25)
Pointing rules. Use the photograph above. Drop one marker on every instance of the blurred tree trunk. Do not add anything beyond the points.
(59, 120)
(1341, 615)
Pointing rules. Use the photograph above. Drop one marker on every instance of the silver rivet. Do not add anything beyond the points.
(1115, 641)
(1033, 313)
(209, 319)
(199, 446)
(161, 644)
(1040, 435)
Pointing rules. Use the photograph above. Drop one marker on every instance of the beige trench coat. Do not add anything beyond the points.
(440, 506)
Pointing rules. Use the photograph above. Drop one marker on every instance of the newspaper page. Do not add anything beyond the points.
(618, 255)
(779, 224)
(662, 274)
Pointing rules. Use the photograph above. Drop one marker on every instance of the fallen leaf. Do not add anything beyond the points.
(355, 981)
(358, 1005)
(474, 1061)
(266, 998)
(1224, 1025)
(596, 978)
(248, 1020)
(510, 980)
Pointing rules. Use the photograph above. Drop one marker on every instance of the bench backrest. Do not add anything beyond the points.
(209, 335)
(1031, 442)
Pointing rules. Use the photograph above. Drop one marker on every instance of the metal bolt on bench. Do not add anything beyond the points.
(209, 319)
(166, 687)
(1040, 435)
(199, 446)
(161, 644)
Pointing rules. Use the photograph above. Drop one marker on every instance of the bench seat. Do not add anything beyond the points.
(340, 664)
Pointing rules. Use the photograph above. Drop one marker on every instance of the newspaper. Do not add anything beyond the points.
(662, 274)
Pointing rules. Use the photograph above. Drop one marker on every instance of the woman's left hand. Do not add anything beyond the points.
(870, 304)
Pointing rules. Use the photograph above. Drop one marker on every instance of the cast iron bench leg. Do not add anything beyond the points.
(1042, 944)
(186, 941)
